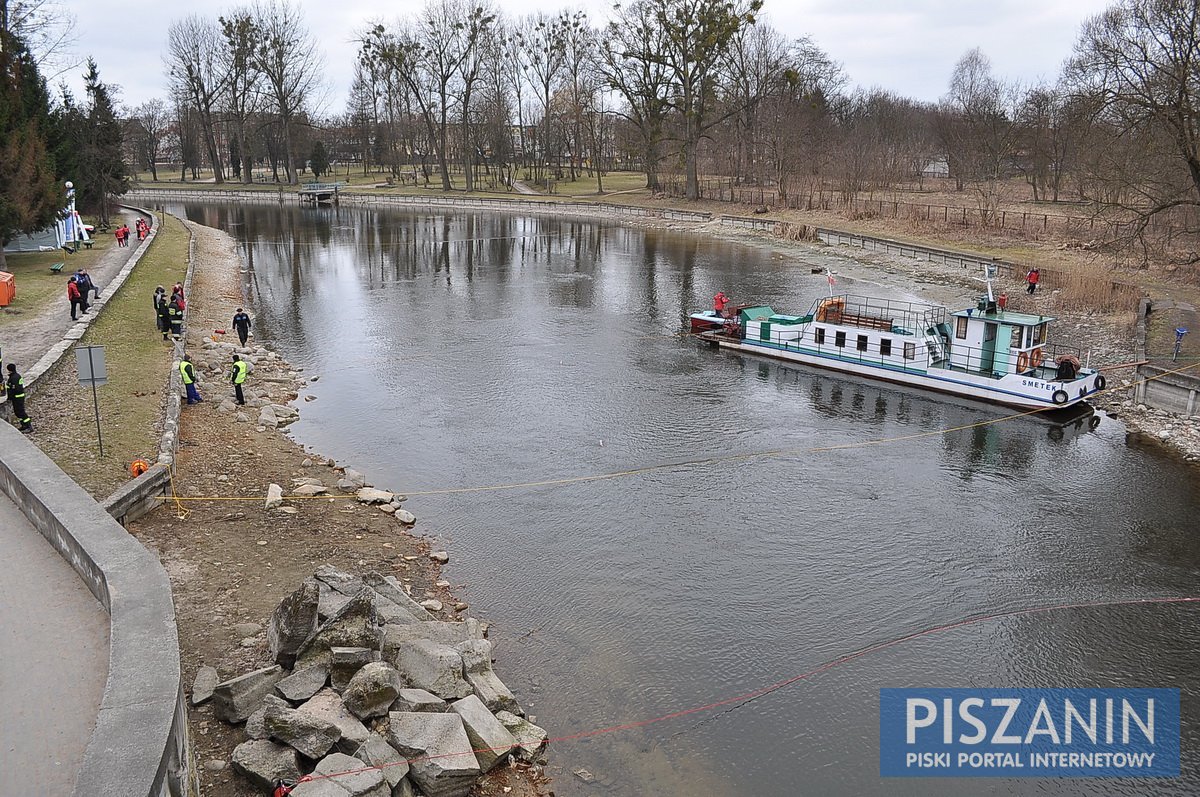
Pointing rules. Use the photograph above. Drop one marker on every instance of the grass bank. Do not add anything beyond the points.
(138, 364)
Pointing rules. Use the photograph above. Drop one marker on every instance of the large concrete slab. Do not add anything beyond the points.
(54, 638)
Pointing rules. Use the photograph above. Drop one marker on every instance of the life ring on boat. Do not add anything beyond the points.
(1036, 358)
(1060, 397)
(1100, 381)
(1022, 362)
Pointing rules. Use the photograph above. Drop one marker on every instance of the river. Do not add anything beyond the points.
(463, 350)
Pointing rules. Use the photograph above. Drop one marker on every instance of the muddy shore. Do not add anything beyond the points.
(230, 560)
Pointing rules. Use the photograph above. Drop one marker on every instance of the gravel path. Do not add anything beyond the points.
(27, 340)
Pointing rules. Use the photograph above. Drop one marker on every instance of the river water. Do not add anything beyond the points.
(462, 350)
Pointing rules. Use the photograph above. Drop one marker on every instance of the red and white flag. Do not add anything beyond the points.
(832, 281)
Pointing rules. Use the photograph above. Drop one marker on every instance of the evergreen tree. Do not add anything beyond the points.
(318, 161)
(103, 171)
(29, 193)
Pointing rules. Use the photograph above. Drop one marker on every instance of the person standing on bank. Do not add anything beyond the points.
(74, 297)
(189, 380)
(1032, 279)
(241, 322)
(159, 301)
(175, 316)
(16, 394)
(237, 375)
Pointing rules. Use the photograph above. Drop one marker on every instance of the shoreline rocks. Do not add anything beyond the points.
(378, 683)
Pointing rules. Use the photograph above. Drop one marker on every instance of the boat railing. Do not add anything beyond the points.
(873, 313)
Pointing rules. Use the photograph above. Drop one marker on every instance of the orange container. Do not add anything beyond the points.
(8, 289)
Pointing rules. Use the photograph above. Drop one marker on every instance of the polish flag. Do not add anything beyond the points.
(832, 281)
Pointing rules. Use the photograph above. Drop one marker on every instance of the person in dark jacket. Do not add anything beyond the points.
(159, 302)
(175, 314)
(241, 322)
(16, 394)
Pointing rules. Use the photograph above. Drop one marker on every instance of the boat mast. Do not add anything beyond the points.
(829, 276)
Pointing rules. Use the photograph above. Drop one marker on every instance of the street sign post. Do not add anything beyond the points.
(89, 362)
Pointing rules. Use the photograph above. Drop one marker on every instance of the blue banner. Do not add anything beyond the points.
(1041, 733)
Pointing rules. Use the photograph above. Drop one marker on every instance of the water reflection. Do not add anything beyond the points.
(474, 349)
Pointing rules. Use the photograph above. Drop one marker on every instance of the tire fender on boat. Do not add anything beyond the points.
(1100, 381)
(1060, 397)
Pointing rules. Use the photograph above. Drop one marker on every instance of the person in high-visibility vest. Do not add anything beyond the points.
(189, 380)
(237, 375)
(175, 315)
(16, 394)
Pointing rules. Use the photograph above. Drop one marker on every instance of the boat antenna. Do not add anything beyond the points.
(989, 272)
(832, 281)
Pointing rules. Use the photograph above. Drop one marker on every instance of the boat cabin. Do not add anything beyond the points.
(988, 339)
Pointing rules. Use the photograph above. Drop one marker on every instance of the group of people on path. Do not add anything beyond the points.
(172, 317)
(79, 288)
(168, 313)
(141, 227)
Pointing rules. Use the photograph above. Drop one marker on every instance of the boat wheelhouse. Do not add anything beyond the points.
(984, 352)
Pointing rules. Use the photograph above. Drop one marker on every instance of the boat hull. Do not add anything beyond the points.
(1014, 391)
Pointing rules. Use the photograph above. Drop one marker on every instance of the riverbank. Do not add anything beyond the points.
(231, 561)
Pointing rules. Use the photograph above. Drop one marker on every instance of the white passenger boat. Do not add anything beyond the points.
(984, 352)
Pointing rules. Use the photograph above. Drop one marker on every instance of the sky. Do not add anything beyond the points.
(908, 47)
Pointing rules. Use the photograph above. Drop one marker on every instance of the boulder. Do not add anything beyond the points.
(312, 736)
(236, 699)
(413, 700)
(354, 477)
(433, 667)
(531, 739)
(202, 688)
(492, 691)
(444, 767)
(405, 517)
(330, 603)
(364, 782)
(310, 489)
(266, 417)
(347, 486)
(263, 762)
(293, 621)
(446, 633)
(227, 405)
(372, 690)
(327, 705)
(391, 763)
(369, 495)
(256, 723)
(274, 496)
(303, 684)
(355, 625)
(433, 605)
(346, 583)
(476, 655)
(490, 740)
(390, 589)
(441, 557)
(345, 662)
(284, 414)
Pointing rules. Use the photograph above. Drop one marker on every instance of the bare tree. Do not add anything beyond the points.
(241, 43)
(47, 28)
(472, 30)
(542, 42)
(198, 73)
(291, 66)
(153, 123)
(1140, 61)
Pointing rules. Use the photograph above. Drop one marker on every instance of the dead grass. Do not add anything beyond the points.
(138, 363)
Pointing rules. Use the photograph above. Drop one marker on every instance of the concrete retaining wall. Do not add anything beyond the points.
(140, 742)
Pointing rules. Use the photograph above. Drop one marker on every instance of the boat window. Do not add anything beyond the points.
(885, 347)
(961, 330)
(910, 351)
(1017, 334)
(989, 331)
(819, 336)
(839, 338)
(1041, 334)
(862, 342)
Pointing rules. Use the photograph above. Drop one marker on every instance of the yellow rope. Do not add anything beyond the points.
(692, 462)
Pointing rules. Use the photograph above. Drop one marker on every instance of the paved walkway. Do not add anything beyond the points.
(53, 662)
(25, 341)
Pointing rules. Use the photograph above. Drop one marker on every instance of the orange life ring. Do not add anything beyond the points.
(1036, 358)
(138, 467)
(1022, 362)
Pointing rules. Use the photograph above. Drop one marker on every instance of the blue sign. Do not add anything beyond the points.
(1042, 733)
